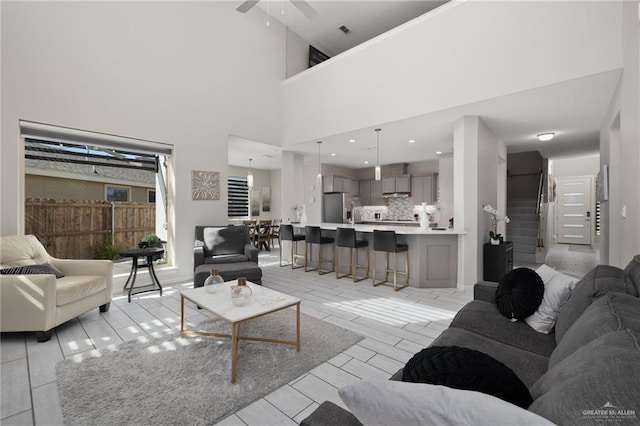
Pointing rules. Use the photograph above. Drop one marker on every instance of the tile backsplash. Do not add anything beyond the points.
(396, 209)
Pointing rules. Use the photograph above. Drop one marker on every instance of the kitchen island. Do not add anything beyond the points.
(433, 254)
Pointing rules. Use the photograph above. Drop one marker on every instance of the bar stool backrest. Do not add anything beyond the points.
(312, 234)
(384, 240)
(286, 232)
(346, 237)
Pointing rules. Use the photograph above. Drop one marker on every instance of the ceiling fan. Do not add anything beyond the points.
(304, 7)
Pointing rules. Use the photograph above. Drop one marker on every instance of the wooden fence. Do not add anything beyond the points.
(72, 229)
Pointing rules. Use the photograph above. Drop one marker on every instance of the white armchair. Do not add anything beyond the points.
(40, 302)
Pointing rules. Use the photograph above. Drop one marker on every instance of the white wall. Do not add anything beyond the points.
(292, 184)
(583, 165)
(477, 155)
(619, 148)
(182, 73)
(423, 167)
(460, 53)
(445, 190)
(297, 54)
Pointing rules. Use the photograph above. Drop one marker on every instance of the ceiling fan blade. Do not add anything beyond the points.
(305, 8)
(248, 4)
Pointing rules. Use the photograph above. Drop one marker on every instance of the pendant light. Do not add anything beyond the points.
(319, 178)
(378, 171)
(250, 175)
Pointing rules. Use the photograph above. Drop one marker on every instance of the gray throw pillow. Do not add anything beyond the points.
(612, 312)
(599, 281)
(632, 271)
(45, 268)
(597, 384)
(388, 402)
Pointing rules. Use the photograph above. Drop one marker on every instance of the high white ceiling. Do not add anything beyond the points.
(365, 18)
(574, 110)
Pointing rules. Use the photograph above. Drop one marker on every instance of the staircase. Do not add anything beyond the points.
(522, 229)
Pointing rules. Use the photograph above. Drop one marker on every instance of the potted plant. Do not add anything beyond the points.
(494, 237)
(150, 240)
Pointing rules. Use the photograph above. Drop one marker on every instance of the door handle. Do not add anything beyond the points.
(588, 216)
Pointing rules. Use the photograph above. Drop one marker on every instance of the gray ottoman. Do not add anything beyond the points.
(228, 272)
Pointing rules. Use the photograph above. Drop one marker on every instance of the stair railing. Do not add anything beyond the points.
(540, 240)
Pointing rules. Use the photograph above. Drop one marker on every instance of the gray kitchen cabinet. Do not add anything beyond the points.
(403, 184)
(365, 192)
(346, 185)
(376, 193)
(371, 193)
(396, 184)
(388, 185)
(334, 183)
(423, 189)
(355, 188)
(417, 189)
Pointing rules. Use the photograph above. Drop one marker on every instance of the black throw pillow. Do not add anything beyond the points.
(519, 293)
(466, 369)
(45, 268)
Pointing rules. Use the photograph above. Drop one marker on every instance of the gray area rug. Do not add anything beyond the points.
(187, 381)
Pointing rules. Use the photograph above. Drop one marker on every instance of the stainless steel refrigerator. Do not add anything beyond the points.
(334, 208)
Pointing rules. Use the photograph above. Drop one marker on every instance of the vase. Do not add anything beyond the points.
(241, 294)
(303, 216)
(494, 242)
(424, 217)
(214, 282)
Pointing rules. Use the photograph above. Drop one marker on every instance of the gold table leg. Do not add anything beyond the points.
(298, 327)
(234, 351)
(181, 315)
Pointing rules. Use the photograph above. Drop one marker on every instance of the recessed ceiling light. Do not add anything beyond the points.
(438, 152)
(366, 162)
(352, 140)
(412, 140)
(546, 136)
(333, 154)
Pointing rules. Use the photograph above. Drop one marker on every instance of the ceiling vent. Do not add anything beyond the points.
(344, 29)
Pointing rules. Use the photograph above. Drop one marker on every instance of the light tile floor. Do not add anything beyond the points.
(394, 326)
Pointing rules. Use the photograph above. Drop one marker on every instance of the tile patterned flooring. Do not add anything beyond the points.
(394, 326)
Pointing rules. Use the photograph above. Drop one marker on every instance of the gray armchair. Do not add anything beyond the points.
(227, 248)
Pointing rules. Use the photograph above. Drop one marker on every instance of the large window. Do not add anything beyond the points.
(91, 194)
(238, 191)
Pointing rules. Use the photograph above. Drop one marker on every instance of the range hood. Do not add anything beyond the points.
(399, 179)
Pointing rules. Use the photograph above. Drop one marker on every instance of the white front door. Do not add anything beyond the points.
(574, 209)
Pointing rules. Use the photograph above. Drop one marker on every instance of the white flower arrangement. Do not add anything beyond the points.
(495, 218)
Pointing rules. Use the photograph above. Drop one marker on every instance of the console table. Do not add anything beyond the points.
(148, 254)
(497, 260)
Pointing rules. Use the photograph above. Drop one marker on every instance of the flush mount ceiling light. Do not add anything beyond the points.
(546, 136)
(319, 179)
(438, 152)
(366, 162)
(333, 154)
(378, 171)
(250, 175)
(352, 140)
(412, 141)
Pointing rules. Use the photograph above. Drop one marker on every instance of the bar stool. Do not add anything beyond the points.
(286, 234)
(386, 241)
(313, 235)
(346, 237)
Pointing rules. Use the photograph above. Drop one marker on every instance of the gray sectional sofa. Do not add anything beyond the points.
(586, 371)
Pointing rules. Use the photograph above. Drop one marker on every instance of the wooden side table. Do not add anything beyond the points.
(135, 254)
(497, 260)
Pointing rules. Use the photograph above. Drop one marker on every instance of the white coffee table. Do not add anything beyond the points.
(265, 301)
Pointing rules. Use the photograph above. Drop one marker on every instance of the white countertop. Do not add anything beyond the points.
(401, 230)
